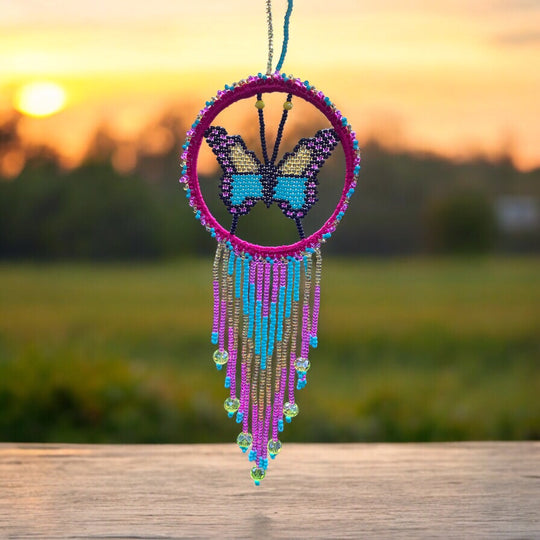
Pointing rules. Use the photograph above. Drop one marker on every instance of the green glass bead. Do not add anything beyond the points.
(259, 104)
(221, 357)
(290, 410)
(244, 440)
(287, 105)
(274, 447)
(302, 365)
(257, 474)
(231, 405)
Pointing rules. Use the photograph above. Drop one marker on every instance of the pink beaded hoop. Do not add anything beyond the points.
(244, 89)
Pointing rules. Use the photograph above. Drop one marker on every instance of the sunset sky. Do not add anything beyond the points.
(451, 76)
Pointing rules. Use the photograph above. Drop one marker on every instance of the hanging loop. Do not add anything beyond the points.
(285, 43)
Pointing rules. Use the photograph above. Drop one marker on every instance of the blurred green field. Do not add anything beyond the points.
(410, 350)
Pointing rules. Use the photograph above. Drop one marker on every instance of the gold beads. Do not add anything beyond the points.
(259, 104)
(287, 105)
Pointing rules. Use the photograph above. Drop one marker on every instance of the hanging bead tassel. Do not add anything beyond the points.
(266, 312)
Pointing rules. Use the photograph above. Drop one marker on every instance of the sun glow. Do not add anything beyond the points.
(40, 99)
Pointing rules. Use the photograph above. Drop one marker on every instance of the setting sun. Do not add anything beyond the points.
(40, 99)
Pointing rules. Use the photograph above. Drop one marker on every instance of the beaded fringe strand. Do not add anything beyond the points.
(266, 315)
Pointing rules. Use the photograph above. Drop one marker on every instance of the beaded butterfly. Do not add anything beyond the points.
(292, 183)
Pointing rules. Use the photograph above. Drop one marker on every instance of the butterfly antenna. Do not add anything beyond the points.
(287, 106)
(234, 223)
(260, 106)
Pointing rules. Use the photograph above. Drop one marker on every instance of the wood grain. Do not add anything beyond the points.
(450, 490)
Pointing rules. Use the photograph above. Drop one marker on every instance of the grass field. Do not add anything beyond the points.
(410, 350)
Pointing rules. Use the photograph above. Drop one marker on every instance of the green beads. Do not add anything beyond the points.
(290, 410)
(231, 405)
(221, 357)
(302, 365)
(244, 440)
(287, 105)
(257, 474)
(274, 447)
(259, 104)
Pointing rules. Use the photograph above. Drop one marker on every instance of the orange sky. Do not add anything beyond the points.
(444, 76)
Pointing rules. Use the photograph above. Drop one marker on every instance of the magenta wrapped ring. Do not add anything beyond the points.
(245, 89)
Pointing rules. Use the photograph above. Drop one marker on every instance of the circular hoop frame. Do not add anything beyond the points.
(245, 89)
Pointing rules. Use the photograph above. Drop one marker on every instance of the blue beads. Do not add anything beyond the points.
(239, 417)
(280, 425)
(227, 382)
(230, 268)
(188, 193)
(251, 319)
(296, 280)
(245, 286)
(327, 235)
(264, 343)
(215, 337)
(292, 190)
(289, 289)
(280, 310)
(245, 186)
(252, 455)
(313, 341)
(285, 35)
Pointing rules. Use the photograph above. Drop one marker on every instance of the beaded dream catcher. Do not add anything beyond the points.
(266, 298)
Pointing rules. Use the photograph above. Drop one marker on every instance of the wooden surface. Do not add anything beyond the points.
(456, 490)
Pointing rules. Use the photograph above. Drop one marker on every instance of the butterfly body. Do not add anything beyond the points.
(269, 182)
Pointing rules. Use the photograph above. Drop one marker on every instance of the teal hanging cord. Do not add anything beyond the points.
(285, 35)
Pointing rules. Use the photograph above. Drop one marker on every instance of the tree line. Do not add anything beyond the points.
(405, 203)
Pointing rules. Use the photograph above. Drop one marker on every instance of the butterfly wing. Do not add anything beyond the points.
(296, 178)
(241, 184)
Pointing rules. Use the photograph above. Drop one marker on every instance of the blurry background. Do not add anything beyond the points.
(430, 319)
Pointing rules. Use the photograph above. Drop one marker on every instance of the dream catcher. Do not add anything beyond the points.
(266, 298)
